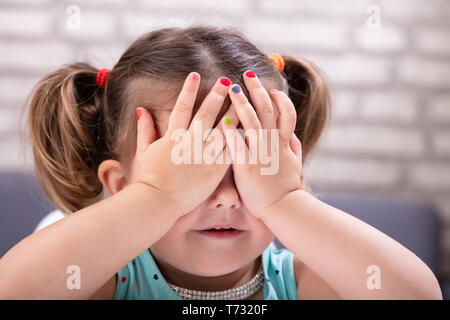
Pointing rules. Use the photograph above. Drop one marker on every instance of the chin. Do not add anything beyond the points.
(216, 265)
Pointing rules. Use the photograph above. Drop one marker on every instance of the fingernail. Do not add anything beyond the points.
(273, 91)
(226, 82)
(194, 76)
(236, 89)
(250, 74)
(227, 121)
(138, 112)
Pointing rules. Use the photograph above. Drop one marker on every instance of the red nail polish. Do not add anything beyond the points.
(250, 74)
(138, 112)
(226, 82)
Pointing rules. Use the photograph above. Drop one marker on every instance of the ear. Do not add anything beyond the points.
(112, 176)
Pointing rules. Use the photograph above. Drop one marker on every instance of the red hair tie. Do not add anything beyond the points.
(101, 77)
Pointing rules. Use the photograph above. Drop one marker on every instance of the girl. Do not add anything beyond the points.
(153, 237)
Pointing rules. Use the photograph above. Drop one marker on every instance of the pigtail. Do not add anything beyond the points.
(66, 131)
(310, 95)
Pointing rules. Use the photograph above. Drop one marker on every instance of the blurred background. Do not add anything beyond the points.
(387, 63)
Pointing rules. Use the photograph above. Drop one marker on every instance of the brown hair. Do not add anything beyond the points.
(74, 125)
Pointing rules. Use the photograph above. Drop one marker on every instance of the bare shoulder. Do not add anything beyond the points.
(310, 285)
(106, 292)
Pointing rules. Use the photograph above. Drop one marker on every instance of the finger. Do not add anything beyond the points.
(234, 142)
(220, 143)
(288, 116)
(146, 132)
(260, 100)
(245, 111)
(181, 115)
(212, 104)
(296, 146)
(230, 117)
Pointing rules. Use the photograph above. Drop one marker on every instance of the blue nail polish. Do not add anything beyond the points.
(236, 89)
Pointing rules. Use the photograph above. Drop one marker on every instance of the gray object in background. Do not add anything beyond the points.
(414, 224)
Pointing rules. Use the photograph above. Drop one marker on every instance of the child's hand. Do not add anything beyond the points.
(187, 184)
(258, 192)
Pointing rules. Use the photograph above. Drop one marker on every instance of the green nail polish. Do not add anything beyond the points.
(227, 121)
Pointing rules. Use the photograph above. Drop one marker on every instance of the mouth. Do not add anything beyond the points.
(221, 232)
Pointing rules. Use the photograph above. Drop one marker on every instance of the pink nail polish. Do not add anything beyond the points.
(194, 76)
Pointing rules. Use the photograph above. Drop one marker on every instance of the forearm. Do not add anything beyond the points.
(100, 239)
(340, 248)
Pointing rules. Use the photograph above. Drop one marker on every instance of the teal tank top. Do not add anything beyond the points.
(141, 279)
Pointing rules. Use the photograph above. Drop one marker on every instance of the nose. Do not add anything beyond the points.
(226, 194)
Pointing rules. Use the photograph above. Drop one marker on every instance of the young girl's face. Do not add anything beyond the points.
(183, 247)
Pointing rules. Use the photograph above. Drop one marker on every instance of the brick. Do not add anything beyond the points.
(303, 33)
(389, 107)
(385, 39)
(442, 205)
(33, 56)
(432, 41)
(100, 56)
(136, 24)
(430, 176)
(417, 71)
(27, 2)
(198, 5)
(331, 170)
(93, 25)
(16, 89)
(352, 69)
(25, 23)
(9, 120)
(441, 142)
(374, 139)
(317, 7)
(343, 104)
(412, 10)
(439, 108)
(13, 157)
(101, 3)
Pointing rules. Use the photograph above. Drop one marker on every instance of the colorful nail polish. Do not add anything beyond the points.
(194, 76)
(227, 121)
(236, 89)
(138, 112)
(250, 74)
(226, 82)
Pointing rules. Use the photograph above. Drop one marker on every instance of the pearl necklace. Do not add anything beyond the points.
(239, 293)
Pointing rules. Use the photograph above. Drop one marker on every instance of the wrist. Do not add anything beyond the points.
(169, 205)
(289, 200)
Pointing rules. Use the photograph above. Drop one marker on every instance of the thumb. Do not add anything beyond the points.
(145, 130)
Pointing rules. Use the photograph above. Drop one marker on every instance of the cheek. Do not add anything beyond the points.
(172, 239)
(260, 232)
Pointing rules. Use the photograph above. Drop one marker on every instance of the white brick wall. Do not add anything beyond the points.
(25, 23)
(390, 86)
(389, 107)
(374, 140)
(439, 110)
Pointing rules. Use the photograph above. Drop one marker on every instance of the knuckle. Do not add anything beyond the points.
(267, 109)
(254, 122)
(183, 107)
(202, 115)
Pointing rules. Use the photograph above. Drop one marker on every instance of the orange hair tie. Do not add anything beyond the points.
(278, 60)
